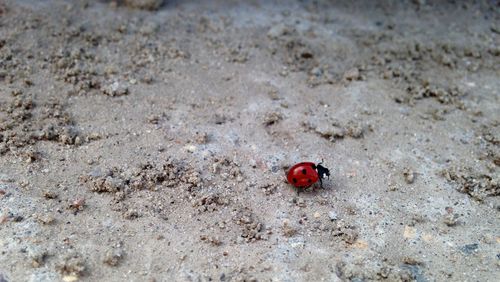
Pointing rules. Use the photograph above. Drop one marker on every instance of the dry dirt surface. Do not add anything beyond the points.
(149, 140)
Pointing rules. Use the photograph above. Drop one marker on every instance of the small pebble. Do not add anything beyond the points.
(352, 74)
(70, 278)
(409, 175)
(277, 31)
(332, 215)
(469, 248)
(190, 148)
(113, 257)
(450, 219)
(144, 4)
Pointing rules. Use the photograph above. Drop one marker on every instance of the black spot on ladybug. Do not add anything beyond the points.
(304, 171)
(309, 180)
(294, 180)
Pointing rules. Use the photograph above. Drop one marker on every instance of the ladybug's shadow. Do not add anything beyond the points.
(316, 189)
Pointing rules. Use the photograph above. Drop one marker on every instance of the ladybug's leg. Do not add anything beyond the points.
(321, 183)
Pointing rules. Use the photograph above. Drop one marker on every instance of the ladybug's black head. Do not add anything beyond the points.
(322, 171)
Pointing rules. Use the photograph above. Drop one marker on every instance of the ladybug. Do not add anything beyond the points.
(305, 174)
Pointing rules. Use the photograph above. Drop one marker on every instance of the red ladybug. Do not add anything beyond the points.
(303, 175)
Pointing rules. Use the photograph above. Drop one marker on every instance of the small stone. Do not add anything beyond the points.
(16, 92)
(288, 231)
(447, 60)
(350, 236)
(284, 73)
(469, 248)
(360, 244)
(409, 232)
(70, 278)
(495, 51)
(495, 28)
(45, 219)
(3, 149)
(112, 184)
(110, 70)
(113, 257)
(144, 4)
(71, 266)
(115, 89)
(387, 74)
(325, 130)
(37, 256)
(93, 136)
(450, 219)
(409, 175)
(149, 28)
(153, 119)
(317, 215)
(131, 214)
(220, 119)
(77, 205)
(354, 130)
(215, 241)
(411, 261)
(273, 94)
(272, 118)
(427, 237)
(332, 215)
(78, 141)
(487, 238)
(352, 74)
(201, 137)
(301, 203)
(66, 139)
(190, 148)
(316, 72)
(50, 195)
(277, 31)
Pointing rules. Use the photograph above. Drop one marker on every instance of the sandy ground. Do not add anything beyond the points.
(146, 143)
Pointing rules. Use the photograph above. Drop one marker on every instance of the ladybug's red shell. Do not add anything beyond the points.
(302, 175)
